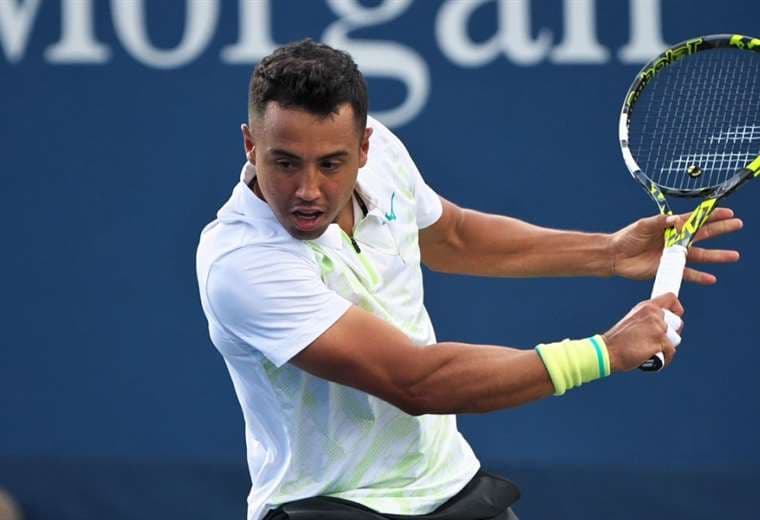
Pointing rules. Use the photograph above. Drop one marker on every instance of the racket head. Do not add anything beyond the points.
(690, 122)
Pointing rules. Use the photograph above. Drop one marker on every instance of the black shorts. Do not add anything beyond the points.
(485, 497)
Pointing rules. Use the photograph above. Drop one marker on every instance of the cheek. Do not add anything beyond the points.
(340, 189)
(282, 200)
(274, 191)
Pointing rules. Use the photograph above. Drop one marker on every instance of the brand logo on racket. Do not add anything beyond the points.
(668, 57)
(742, 42)
(671, 55)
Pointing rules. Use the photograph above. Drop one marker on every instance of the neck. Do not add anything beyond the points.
(345, 218)
(254, 186)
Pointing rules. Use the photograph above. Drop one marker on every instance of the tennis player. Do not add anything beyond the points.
(311, 283)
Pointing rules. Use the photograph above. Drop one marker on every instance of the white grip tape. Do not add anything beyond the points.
(668, 279)
(670, 272)
(674, 323)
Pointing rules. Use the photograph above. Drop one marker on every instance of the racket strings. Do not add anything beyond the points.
(707, 111)
(697, 122)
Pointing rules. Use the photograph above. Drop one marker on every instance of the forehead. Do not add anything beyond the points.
(293, 127)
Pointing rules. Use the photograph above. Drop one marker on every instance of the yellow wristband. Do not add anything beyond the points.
(572, 363)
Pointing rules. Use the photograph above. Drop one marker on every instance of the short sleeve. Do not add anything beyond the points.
(272, 300)
(429, 207)
(427, 201)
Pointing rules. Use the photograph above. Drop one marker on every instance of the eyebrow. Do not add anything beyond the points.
(284, 153)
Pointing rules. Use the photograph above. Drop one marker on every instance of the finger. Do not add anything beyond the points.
(719, 222)
(673, 336)
(715, 229)
(720, 214)
(675, 221)
(669, 301)
(699, 277)
(672, 320)
(668, 349)
(717, 214)
(668, 352)
(712, 256)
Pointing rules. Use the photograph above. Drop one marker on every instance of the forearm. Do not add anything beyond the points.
(367, 353)
(463, 378)
(492, 245)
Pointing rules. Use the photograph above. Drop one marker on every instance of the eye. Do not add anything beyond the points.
(284, 164)
(330, 165)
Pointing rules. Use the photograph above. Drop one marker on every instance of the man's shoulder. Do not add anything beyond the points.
(248, 245)
(383, 140)
(388, 166)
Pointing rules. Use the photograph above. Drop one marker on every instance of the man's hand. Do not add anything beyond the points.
(642, 334)
(636, 249)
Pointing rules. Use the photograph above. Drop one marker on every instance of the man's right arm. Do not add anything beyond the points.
(364, 352)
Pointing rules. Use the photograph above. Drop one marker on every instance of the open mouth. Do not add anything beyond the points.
(306, 220)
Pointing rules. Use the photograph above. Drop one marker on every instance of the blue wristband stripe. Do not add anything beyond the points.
(599, 357)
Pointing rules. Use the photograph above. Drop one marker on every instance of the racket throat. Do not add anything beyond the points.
(685, 236)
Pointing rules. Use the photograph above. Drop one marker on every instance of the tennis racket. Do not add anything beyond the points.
(690, 127)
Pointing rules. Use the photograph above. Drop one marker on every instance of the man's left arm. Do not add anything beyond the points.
(465, 241)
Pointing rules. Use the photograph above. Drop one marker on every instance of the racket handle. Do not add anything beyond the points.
(670, 272)
(668, 280)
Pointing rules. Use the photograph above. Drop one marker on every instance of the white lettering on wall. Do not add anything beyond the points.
(453, 39)
(77, 44)
(254, 34)
(580, 43)
(383, 59)
(514, 17)
(200, 23)
(646, 32)
(513, 37)
(15, 25)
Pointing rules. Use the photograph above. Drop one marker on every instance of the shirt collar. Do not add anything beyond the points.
(247, 173)
(249, 204)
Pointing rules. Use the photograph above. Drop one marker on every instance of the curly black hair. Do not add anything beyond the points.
(308, 75)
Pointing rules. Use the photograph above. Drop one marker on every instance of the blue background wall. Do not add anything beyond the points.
(109, 171)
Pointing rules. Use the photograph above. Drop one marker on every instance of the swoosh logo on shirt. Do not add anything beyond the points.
(390, 217)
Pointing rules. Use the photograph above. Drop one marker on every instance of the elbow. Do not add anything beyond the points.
(418, 406)
(402, 390)
(415, 386)
(420, 388)
(444, 259)
(406, 400)
(412, 408)
(415, 400)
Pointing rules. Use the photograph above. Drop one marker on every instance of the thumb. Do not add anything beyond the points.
(675, 221)
(669, 301)
(660, 222)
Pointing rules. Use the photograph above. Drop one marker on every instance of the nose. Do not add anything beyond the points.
(308, 186)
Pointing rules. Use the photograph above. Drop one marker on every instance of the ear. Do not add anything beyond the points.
(249, 146)
(364, 147)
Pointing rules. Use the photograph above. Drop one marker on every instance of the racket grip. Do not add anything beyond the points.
(670, 271)
(668, 279)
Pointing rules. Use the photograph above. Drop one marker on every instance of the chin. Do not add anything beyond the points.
(306, 235)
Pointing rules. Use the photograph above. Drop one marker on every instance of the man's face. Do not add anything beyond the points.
(306, 165)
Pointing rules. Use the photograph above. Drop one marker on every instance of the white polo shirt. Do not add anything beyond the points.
(267, 296)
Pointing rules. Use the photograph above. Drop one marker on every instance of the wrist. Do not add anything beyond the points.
(610, 353)
(611, 255)
(571, 363)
